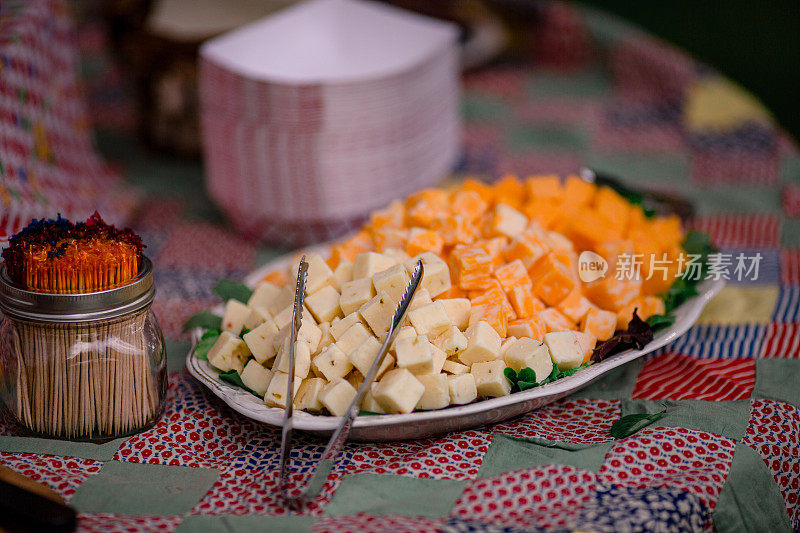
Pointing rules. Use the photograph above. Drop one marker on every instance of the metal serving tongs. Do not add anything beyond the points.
(319, 474)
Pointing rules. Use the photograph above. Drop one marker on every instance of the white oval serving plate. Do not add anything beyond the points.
(420, 424)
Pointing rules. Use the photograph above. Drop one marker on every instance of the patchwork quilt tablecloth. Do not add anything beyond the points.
(726, 455)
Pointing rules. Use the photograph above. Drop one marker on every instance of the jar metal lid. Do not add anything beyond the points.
(17, 302)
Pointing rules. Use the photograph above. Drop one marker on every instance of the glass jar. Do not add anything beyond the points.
(88, 366)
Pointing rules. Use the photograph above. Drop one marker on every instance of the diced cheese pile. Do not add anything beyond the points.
(501, 289)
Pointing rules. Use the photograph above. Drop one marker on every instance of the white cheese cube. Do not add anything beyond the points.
(235, 315)
(565, 349)
(310, 332)
(453, 367)
(490, 379)
(277, 390)
(325, 338)
(342, 274)
(353, 337)
(307, 398)
(378, 313)
(398, 255)
(284, 316)
(229, 352)
(462, 389)
(319, 273)
(529, 353)
(369, 263)
(439, 357)
(256, 377)
(437, 392)
(421, 297)
(302, 359)
(483, 344)
(398, 391)
(257, 316)
(332, 363)
(284, 298)
(508, 221)
(405, 332)
(414, 354)
(370, 404)
(506, 344)
(263, 295)
(431, 319)
(355, 294)
(341, 325)
(260, 341)
(337, 396)
(363, 356)
(451, 341)
(324, 304)
(436, 278)
(392, 281)
(458, 310)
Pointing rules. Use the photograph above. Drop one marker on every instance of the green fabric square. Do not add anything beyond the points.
(143, 489)
(728, 419)
(750, 500)
(777, 379)
(84, 450)
(791, 168)
(546, 136)
(643, 170)
(479, 108)
(586, 83)
(615, 385)
(273, 524)
(790, 233)
(738, 199)
(176, 355)
(507, 453)
(382, 494)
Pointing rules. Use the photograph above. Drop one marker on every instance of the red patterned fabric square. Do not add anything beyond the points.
(376, 524)
(115, 523)
(456, 456)
(542, 497)
(193, 431)
(695, 461)
(580, 421)
(62, 474)
(774, 432)
(674, 377)
(188, 243)
(790, 267)
(710, 168)
(782, 340)
(740, 230)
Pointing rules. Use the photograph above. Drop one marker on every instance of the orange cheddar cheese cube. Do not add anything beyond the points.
(533, 327)
(526, 249)
(599, 323)
(510, 191)
(277, 277)
(425, 206)
(391, 216)
(575, 306)
(471, 268)
(544, 186)
(390, 237)
(555, 320)
(494, 296)
(423, 240)
(455, 229)
(453, 292)
(547, 212)
(525, 304)
(486, 192)
(614, 207)
(552, 281)
(589, 229)
(494, 247)
(578, 192)
(611, 293)
(468, 204)
(492, 315)
(512, 275)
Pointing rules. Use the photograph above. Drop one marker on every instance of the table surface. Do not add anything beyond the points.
(726, 455)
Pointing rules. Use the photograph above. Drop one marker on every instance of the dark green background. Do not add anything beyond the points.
(755, 43)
